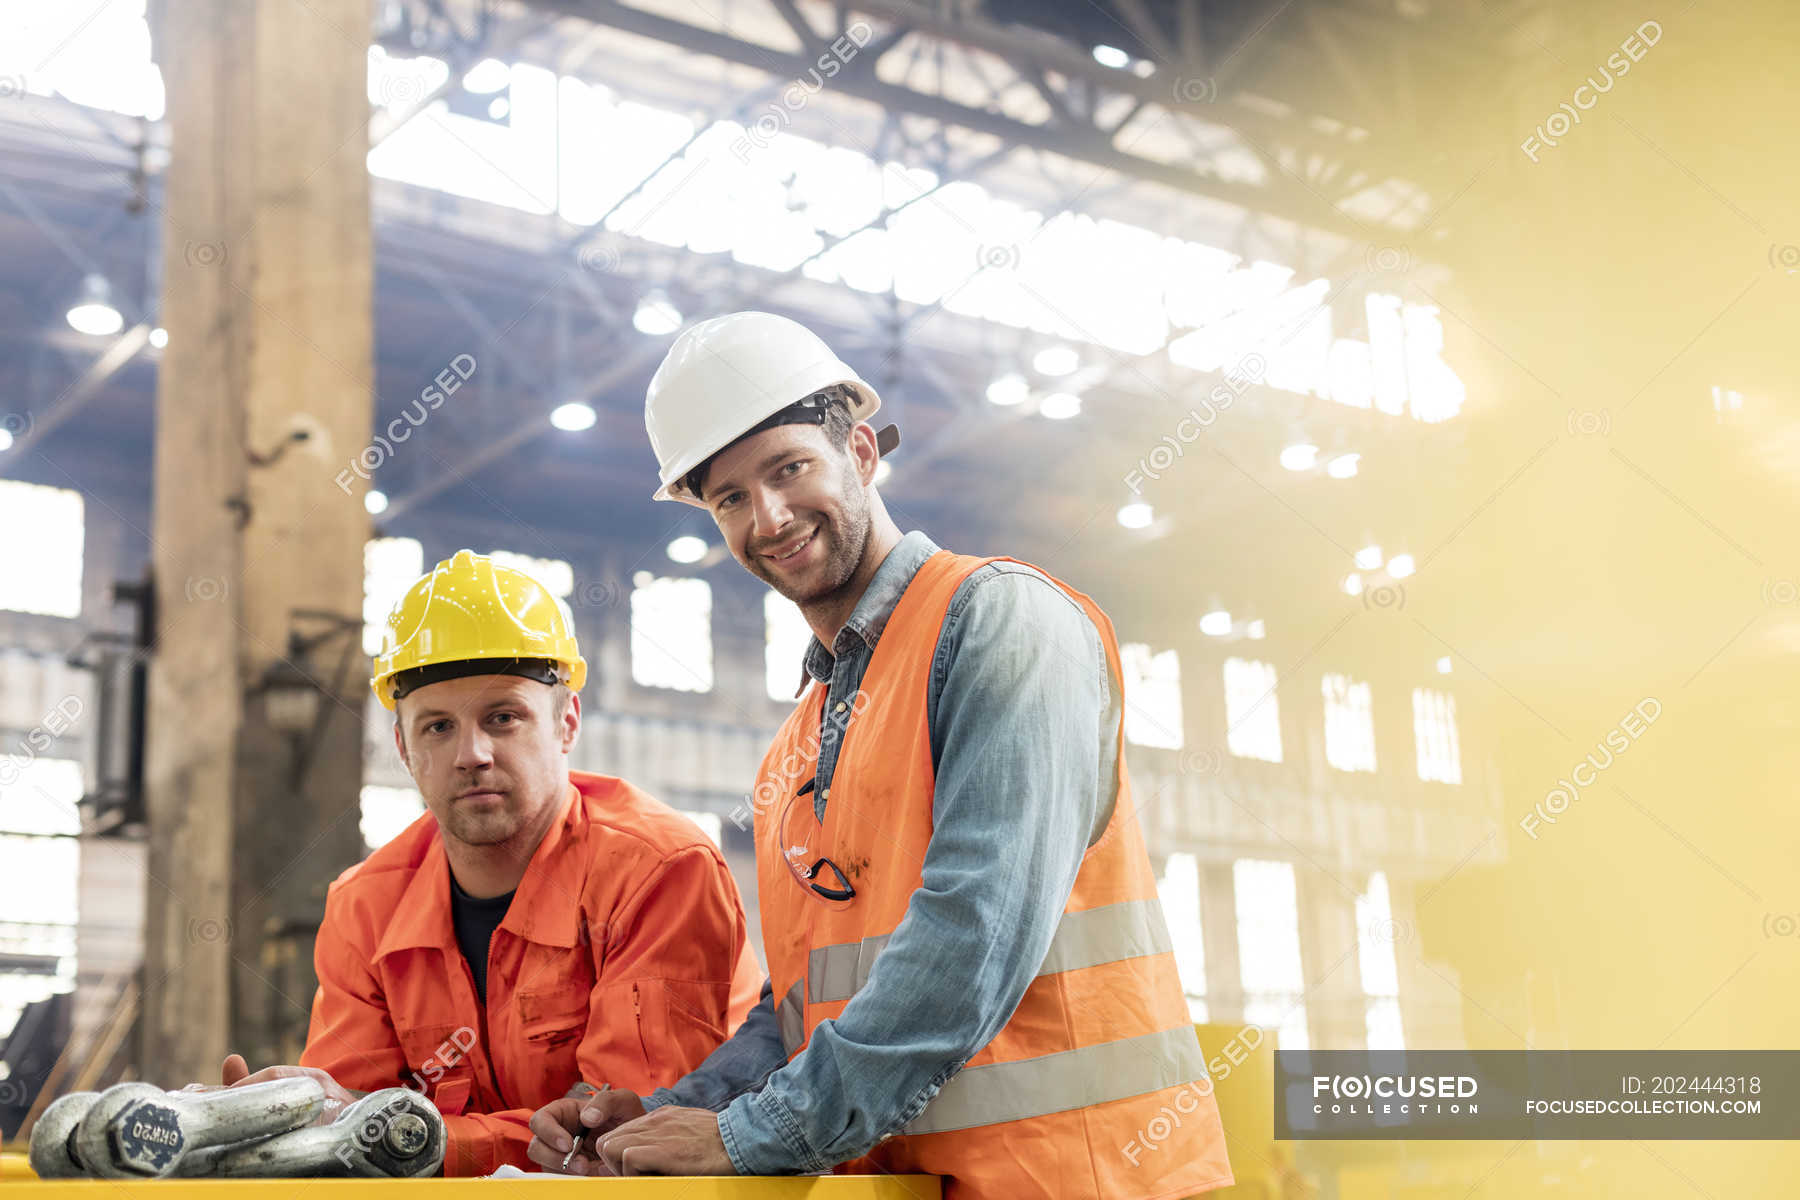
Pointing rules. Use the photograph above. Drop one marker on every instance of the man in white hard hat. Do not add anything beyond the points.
(970, 975)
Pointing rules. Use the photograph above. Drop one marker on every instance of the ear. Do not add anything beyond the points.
(863, 451)
(571, 722)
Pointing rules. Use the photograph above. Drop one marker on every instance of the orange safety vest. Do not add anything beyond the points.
(1097, 1086)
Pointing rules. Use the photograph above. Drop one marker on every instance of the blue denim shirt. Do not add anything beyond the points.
(1024, 726)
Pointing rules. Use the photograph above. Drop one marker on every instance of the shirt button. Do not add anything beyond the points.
(841, 706)
(825, 795)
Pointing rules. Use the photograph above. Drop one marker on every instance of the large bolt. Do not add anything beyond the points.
(152, 1133)
(407, 1135)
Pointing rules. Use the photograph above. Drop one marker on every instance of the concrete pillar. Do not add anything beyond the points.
(1218, 921)
(264, 396)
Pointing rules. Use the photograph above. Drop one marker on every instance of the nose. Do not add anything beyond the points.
(771, 512)
(474, 748)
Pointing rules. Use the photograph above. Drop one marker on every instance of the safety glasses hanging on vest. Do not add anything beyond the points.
(803, 864)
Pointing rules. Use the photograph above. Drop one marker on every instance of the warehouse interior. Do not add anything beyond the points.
(1412, 446)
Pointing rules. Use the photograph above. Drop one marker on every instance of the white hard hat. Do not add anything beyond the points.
(723, 377)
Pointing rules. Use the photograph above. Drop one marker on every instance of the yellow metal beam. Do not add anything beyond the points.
(840, 1187)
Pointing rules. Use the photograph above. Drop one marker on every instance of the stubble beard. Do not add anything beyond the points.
(844, 546)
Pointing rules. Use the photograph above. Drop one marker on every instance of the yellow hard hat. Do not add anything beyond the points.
(490, 619)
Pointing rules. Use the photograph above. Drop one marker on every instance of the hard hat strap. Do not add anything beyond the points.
(541, 669)
(810, 411)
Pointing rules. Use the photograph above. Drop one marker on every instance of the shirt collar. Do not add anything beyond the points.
(545, 905)
(870, 616)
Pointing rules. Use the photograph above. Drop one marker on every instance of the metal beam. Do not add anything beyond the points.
(1374, 110)
(534, 424)
(1299, 207)
(810, 41)
(384, 124)
(1188, 21)
(106, 364)
(1155, 39)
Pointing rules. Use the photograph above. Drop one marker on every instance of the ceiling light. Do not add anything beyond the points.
(1060, 406)
(93, 313)
(1369, 557)
(1443, 665)
(374, 502)
(1008, 390)
(883, 469)
(574, 417)
(1055, 361)
(6, 440)
(159, 337)
(488, 75)
(1216, 623)
(687, 549)
(1136, 515)
(1256, 629)
(1353, 585)
(1111, 56)
(498, 107)
(656, 316)
(1400, 566)
(1343, 466)
(1300, 457)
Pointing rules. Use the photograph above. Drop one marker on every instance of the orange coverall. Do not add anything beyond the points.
(623, 959)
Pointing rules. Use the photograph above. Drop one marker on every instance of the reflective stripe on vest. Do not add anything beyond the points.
(1109, 933)
(1053, 1083)
(791, 1015)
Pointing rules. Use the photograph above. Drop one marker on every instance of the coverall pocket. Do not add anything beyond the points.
(437, 1058)
(551, 1018)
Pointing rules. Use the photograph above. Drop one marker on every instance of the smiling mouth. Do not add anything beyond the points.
(804, 543)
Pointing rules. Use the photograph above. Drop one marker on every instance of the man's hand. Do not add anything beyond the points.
(236, 1071)
(668, 1141)
(556, 1126)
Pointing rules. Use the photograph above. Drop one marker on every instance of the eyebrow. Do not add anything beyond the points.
(767, 464)
(434, 714)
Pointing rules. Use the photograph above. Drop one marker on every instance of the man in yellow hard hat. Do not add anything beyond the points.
(538, 929)
(972, 977)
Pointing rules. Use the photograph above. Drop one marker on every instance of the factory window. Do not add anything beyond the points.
(557, 576)
(1179, 890)
(1376, 935)
(1152, 696)
(45, 527)
(671, 633)
(386, 811)
(1268, 924)
(40, 862)
(390, 566)
(1349, 724)
(1434, 729)
(1252, 717)
(785, 638)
